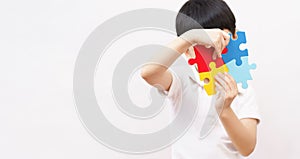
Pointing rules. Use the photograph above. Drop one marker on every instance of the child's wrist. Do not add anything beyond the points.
(181, 45)
(186, 40)
(226, 113)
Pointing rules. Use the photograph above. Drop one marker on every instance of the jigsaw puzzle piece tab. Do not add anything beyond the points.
(241, 73)
(204, 58)
(210, 86)
(234, 52)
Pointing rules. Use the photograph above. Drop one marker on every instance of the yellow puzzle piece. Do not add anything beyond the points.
(210, 86)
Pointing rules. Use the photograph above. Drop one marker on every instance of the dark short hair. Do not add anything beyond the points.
(207, 14)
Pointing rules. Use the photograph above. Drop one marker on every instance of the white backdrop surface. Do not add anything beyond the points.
(40, 41)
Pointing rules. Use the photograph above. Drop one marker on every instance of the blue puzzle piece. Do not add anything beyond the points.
(234, 52)
(241, 74)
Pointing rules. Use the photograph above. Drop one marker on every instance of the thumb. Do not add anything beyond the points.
(226, 37)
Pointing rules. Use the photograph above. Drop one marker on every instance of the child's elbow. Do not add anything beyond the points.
(145, 74)
(247, 152)
(148, 75)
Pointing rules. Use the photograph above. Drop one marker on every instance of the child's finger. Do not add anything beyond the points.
(214, 56)
(217, 46)
(220, 80)
(226, 38)
(223, 45)
(232, 81)
(229, 81)
(218, 87)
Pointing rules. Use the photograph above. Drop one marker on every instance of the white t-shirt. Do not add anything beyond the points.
(206, 138)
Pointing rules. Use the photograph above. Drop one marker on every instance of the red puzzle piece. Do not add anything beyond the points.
(204, 58)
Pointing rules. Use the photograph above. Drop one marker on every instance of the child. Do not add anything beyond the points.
(234, 136)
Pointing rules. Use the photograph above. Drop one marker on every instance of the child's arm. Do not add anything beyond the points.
(241, 132)
(155, 74)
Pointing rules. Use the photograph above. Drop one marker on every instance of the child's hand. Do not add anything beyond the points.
(227, 90)
(209, 37)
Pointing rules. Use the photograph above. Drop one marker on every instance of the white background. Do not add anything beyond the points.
(39, 43)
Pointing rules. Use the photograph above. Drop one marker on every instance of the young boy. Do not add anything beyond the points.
(234, 136)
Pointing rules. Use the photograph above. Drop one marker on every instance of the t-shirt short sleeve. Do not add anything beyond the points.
(174, 92)
(248, 107)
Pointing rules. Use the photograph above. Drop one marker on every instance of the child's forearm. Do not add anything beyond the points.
(157, 74)
(180, 45)
(167, 56)
(241, 133)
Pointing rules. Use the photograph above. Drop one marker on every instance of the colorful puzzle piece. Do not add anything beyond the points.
(204, 58)
(210, 86)
(234, 61)
(234, 52)
(241, 74)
